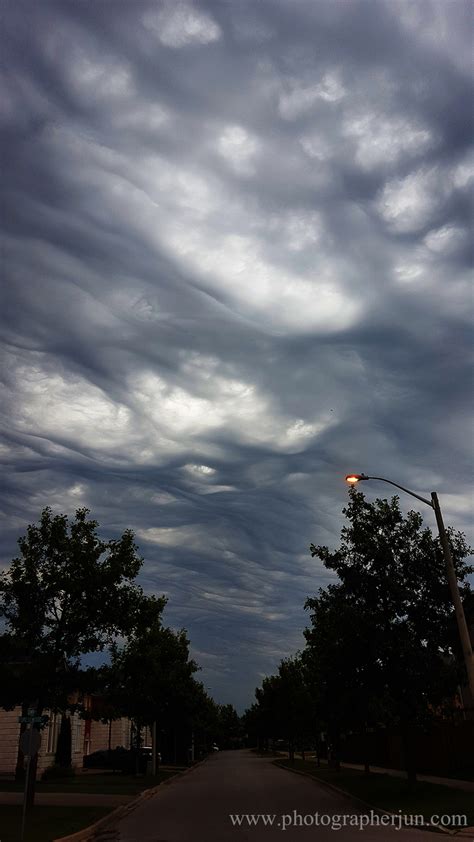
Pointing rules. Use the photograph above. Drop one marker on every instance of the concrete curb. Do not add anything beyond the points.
(356, 800)
(107, 822)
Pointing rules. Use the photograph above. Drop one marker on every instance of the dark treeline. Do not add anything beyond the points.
(382, 647)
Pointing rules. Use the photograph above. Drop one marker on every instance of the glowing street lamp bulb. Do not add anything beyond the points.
(353, 478)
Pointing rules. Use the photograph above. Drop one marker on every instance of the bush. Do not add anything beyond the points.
(104, 759)
(120, 759)
(56, 772)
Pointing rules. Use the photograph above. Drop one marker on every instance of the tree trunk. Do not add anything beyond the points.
(155, 759)
(409, 755)
(137, 748)
(335, 752)
(367, 755)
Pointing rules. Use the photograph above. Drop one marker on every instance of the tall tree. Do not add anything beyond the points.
(228, 732)
(393, 582)
(342, 665)
(150, 677)
(69, 592)
(284, 709)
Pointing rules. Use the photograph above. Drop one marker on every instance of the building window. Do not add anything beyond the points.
(53, 732)
(87, 736)
(78, 746)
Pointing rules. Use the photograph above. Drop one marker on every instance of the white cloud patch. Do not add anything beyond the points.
(200, 470)
(463, 173)
(410, 203)
(238, 148)
(180, 25)
(316, 146)
(70, 409)
(302, 98)
(382, 140)
(445, 240)
(95, 79)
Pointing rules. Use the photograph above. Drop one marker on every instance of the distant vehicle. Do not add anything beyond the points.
(214, 747)
(147, 751)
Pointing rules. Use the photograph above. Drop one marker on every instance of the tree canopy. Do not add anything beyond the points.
(67, 593)
(149, 678)
(382, 646)
(394, 608)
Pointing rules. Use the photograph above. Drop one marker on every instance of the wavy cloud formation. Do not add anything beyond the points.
(237, 248)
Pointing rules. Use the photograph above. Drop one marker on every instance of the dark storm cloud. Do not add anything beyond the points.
(236, 237)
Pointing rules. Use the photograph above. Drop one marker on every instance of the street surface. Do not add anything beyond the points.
(197, 807)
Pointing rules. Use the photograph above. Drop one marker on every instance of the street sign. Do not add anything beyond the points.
(30, 742)
(29, 719)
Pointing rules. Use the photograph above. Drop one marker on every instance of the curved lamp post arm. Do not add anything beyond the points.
(407, 490)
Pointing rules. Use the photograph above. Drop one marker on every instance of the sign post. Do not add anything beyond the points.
(30, 742)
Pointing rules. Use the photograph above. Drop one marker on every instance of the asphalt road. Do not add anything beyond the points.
(197, 807)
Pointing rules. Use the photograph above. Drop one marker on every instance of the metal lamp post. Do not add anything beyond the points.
(453, 585)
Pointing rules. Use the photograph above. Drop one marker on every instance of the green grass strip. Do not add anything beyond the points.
(47, 823)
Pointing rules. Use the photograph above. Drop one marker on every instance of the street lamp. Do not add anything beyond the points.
(352, 479)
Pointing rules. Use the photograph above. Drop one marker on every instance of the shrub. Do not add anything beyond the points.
(56, 772)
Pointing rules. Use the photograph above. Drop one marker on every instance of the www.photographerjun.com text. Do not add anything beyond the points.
(284, 821)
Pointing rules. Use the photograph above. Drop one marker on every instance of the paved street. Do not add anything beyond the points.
(196, 807)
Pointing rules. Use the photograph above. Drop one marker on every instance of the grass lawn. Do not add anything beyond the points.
(458, 774)
(391, 793)
(106, 783)
(464, 774)
(47, 823)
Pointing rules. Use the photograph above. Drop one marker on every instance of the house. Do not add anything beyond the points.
(87, 736)
(10, 735)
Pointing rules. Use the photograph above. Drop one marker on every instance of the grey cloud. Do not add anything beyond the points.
(238, 257)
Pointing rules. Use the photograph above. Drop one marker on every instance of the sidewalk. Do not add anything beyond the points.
(467, 786)
(69, 799)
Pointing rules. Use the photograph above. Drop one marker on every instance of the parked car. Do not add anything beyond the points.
(147, 751)
(121, 760)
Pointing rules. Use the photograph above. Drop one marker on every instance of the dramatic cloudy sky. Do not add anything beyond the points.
(237, 250)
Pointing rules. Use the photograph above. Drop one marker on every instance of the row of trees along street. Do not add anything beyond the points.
(382, 647)
(70, 593)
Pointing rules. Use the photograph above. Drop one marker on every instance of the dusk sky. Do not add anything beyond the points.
(238, 262)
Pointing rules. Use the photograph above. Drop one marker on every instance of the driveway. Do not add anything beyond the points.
(198, 807)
